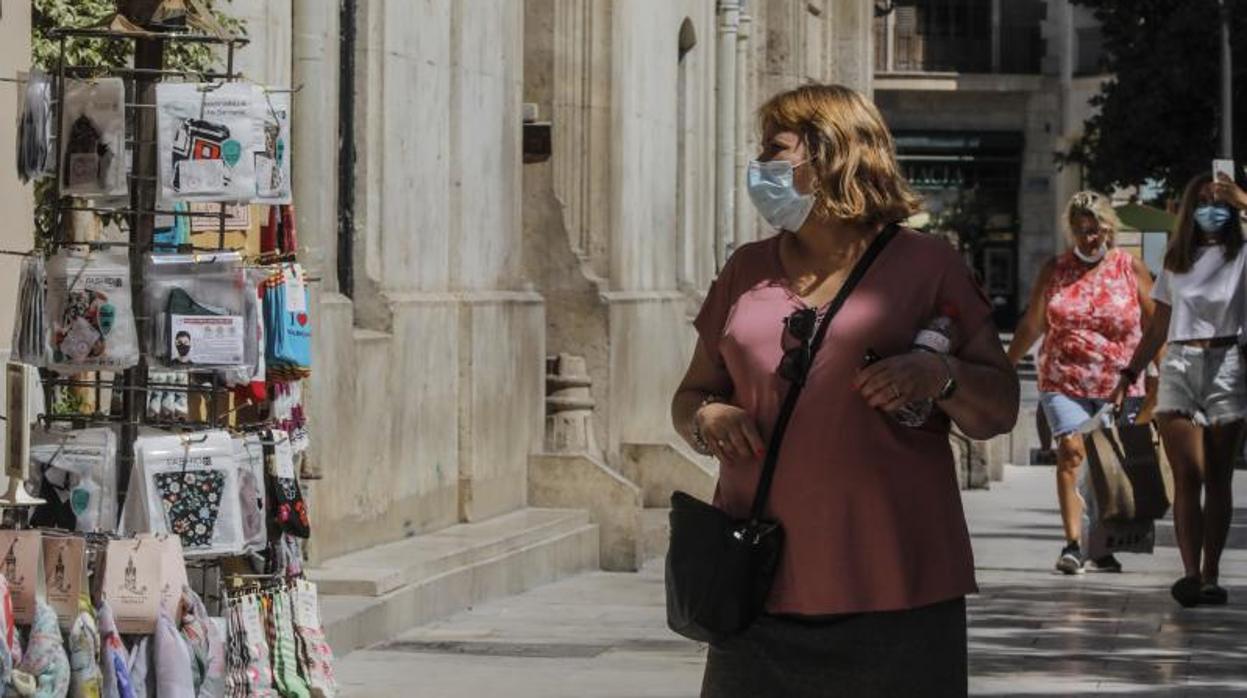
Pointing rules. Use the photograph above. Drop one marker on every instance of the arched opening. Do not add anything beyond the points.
(684, 202)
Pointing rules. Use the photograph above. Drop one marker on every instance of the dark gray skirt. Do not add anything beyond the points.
(917, 653)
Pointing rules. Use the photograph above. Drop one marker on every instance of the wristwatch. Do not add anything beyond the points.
(699, 440)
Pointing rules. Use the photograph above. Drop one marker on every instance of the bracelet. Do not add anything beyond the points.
(699, 440)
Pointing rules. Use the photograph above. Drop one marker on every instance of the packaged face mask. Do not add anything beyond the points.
(76, 474)
(89, 312)
(93, 127)
(187, 485)
(207, 137)
(272, 161)
(198, 312)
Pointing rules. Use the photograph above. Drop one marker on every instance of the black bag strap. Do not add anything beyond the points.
(794, 389)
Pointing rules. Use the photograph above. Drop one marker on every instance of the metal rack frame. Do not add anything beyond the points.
(140, 110)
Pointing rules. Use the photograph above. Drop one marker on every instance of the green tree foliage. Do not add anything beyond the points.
(1158, 116)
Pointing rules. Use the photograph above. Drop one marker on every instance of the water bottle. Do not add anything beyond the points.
(936, 337)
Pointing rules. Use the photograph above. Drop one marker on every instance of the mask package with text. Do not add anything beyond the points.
(187, 485)
(93, 128)
(208, 135)
(198, 312)
(89, 312)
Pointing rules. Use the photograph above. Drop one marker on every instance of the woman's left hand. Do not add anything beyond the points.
(1226, 190)
(897, 381)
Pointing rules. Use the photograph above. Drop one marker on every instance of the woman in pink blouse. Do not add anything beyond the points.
(869, 598)
(1089, 304)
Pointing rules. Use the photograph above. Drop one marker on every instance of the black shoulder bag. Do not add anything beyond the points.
(719, 569)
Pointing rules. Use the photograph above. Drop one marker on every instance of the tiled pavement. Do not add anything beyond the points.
(1033, 632)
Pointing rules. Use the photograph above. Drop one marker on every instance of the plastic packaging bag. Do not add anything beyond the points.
(76, 473)
(198, 312)
(207, 137)
(30, 342)
(93, 129)
(288, 324)
(249, 456)
(187, 485)
(34, 128)
(89, 312)
(272, 161)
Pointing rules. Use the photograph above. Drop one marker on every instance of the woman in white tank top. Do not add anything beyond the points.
(1202, 400)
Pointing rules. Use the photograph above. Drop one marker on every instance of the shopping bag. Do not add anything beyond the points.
(1130, 475)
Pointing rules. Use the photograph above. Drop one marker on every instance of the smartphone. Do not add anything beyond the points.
(1222, 167)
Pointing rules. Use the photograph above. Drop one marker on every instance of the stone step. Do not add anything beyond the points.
(384, 568)
(655, 532)
(438, 574)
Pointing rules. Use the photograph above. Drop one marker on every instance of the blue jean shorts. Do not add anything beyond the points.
(1206, 385)
(1067, 415)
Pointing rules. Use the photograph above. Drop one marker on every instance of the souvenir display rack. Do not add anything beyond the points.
(139, 218)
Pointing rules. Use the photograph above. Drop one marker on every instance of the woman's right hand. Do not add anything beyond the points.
(1118, 398)
(729, 431)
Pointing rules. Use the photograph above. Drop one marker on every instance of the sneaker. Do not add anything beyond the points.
(1108, 563)
(1070, 561)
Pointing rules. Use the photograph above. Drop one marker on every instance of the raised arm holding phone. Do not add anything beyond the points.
(1202, 399)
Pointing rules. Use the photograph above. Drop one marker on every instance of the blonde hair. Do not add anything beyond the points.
(1096, 205)
(850, 149)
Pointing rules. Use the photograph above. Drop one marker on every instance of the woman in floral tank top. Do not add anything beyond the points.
(1089, 304)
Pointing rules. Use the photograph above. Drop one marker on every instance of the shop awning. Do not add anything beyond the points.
(1142, 218)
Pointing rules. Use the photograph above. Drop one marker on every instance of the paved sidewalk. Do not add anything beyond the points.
(1033, 632)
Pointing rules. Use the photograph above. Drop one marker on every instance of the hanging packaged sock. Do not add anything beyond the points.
(259, 667)
(272, 161)
(207, 135)
(174, 676)
(45, 659)
(278, 235)
(199, 311)
(34, 127)
(76, 475)
(288, 325)
(289, 415)
(89, 313)
(187, 485)
(115, 664)
(93, 123)
(29, 343)
(207, 644)
(287, 509)
(85, 676)
(285, 655)
(315, 649)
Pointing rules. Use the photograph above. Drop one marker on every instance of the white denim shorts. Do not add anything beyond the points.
(1205, 384)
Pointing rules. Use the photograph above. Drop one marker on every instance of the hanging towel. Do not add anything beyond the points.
(84, 651)
(115, 660)
(45, 659)
(174, 677)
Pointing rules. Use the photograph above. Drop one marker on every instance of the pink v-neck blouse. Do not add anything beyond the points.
(871, 509)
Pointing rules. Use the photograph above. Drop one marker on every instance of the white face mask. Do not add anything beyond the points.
(775, 195)
(1094, 257)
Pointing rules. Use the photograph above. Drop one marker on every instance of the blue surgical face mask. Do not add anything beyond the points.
(775, 195)
(1211, 218)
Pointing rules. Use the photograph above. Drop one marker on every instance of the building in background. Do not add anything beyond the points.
(981, 95)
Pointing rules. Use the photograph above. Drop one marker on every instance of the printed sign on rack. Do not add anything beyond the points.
(132, 584)
(207, 340)
(23, 553)
(64, 570)
(237, 217)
